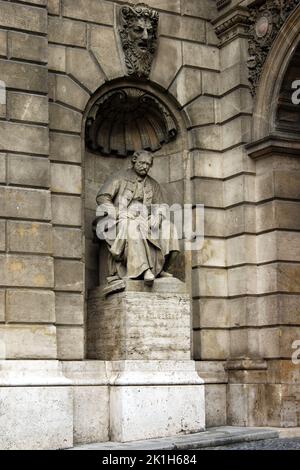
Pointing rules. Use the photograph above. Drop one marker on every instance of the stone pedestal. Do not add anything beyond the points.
(145, 335)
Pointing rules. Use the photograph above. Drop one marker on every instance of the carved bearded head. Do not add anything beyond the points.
(138, 34)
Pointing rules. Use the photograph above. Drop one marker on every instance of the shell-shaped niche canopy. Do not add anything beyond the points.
(127, 120)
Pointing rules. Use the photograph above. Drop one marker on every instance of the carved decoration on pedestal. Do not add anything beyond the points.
(265, 22)
(138, 33)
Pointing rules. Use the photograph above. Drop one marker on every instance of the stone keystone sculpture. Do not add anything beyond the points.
(138, 34)
(141, 239)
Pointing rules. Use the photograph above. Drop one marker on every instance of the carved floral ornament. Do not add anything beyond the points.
(265, 21)
(138, 33)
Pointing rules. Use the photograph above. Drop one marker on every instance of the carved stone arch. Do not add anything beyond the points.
(274, 71)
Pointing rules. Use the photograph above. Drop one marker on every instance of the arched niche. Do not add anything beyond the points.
(271, 82)
(121, 117)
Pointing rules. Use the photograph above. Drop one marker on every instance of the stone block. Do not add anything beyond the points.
(2, 306)
(26, 271)
(138, 324)
(29, 18)
(91, 417)
(65, 148)
(89, 73)
(21, 138)
(204, 9)
(28, 171)
(36, 418)
(27, 47)
(30, 306)
(3, 168)
(187, 86)
(67, 243)
(201, 111)
(66, 178)
(28, 342)
(207, 138)
(29, 237)
(104, 47)
(69, 92)
(215, 405)
(66, 210)
(212, 253)
(233, 77)
(167, 5)
(241, 249)
(64, 119)
(190, 29)
(202, 56)
(2, 235)
(33, 204)
(69, 309)
(242, 281)
(70, 343)
(68, 275)
(211, 313)
(54, 7)
(3, 43)
(68, 32)
(176, 167)
(210, 282)
(235, 132)
(215, 344)
(207, 164)
(25, 107)
(89, 10)
(234, 52)
(236, 102)
(57, 58)
(24, 76)
(208, 192)
(167, 63)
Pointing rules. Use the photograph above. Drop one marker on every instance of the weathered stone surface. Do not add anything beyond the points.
(24, 407)
(30, 306)
(68, 32)
(215, 344)
(89, 10)
(26, 271)
(203, 9)
(27, 47)
(68, 275)
(239, 101)
(13, 15)
(104, 47)
(25, 107)
(88, 74)
(2, 168)
(212, 253)
(64, 119)
(66, 178)
(29, 237)
(187, 85)
(70, 343)
(67, 243)
(209, 282)
(31, 204)
(201, 111)
(69, 92)
(66, 210)
(167, 62)
(207, 137)
(2, 305)
(2, 235)
(91, 417)
(65, 148)
(24, 76)
(28, 342)
(215, 405)
(168, 5)
(234, 52)
(208, 192)
(57, 58)
(201, 56)
(22, 138)
(28, 171)
(3, 43)
(54, 7)
(69, 309)
(191, 29)
(118, 328)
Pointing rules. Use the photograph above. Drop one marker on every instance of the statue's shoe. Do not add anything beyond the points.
(149, 278)
(165, 274)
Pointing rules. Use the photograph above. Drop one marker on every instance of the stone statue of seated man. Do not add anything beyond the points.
(141, 240)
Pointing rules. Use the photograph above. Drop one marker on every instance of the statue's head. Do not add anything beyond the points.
(139, 37)
(142, 162)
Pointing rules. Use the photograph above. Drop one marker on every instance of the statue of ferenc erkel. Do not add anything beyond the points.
(133, 221)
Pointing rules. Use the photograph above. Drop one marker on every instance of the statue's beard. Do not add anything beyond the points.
(138, 60)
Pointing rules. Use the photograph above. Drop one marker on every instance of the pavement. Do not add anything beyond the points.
(268, 444)
(210, 439)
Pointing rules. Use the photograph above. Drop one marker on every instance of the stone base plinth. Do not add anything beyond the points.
(152, 399)
(140, 323)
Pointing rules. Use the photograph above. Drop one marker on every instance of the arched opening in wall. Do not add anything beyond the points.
(121, 118)
(287, 117)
